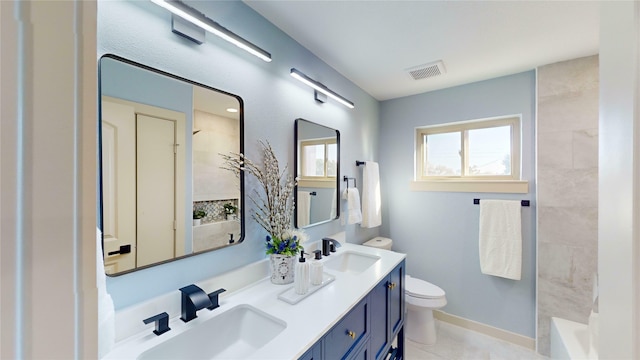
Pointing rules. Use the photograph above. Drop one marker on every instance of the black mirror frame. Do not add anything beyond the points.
(295, 162)
(100, 219)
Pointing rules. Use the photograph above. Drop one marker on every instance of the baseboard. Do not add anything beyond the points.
(488, 330)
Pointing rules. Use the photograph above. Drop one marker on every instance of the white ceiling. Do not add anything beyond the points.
(372, 43)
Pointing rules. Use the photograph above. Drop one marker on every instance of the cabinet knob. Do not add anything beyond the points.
(391, 286)
(351, 334)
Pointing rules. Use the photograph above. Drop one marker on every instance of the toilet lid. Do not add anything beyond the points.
(422, 289)
(379, 242)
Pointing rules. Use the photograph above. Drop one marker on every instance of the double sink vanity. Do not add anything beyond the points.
(356, 316)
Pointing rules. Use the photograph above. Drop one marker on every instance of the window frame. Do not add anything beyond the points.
(313, 142)
(480, 183)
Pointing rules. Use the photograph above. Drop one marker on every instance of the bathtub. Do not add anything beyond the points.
(572, 340)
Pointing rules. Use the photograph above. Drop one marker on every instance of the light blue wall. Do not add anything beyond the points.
(141, 31)
(439, 230)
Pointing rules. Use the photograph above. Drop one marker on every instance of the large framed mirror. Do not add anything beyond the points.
(317, 168)
(163, 194)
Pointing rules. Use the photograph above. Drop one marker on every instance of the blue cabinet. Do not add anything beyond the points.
(351, 332)
(361, 353)
(396, 300)
(368, 330)
(315, 353)
(387, 314)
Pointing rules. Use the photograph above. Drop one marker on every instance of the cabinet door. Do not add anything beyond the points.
(379, 319)
(361, 354)
(396, 300)
(315, 353)
(350, 332)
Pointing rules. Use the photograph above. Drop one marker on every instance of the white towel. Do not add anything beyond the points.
(501, 238)
(354, 215)
(303, 208)
(106, 312)
(371, 204)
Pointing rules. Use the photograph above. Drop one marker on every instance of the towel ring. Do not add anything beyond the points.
(346, 179)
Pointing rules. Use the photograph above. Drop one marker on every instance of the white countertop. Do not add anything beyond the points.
(307, 321)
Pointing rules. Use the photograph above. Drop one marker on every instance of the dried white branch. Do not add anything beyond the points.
(273, 210)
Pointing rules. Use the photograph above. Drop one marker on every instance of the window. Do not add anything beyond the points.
(319, 159)
(481, 151)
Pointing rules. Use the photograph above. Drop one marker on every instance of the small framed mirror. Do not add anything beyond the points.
(317, 169)
(163, 194)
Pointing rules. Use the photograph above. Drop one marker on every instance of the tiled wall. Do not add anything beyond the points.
(214, 209)
(567, 165)
(217, 135)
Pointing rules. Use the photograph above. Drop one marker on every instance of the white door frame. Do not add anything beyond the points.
(48, 67)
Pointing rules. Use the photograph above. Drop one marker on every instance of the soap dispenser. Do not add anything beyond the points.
(316, 271)
(301, 276)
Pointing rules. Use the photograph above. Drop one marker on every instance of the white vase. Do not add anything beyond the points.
(196, 222)
(282, 268)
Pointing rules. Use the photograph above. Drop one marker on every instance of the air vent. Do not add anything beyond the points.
(427, 70)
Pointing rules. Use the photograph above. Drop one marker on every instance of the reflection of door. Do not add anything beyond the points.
(143, 183)
(119, 185)
(156, 190)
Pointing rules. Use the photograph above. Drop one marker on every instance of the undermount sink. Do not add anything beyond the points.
(350, 261)
(234, 334)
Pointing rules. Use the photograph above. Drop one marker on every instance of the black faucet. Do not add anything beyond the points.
(214, 298)
(329, 245)
(193, 299)
(161, 322)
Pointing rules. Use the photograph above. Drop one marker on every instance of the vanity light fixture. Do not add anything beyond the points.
(197, 18)
(319, 87)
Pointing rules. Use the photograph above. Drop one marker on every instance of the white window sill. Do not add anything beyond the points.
(488, 186)
(329, 183)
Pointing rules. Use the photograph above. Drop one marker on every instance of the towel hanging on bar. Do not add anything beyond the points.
(522, 203)
(371, 203)
(303, 208)
(500, 238)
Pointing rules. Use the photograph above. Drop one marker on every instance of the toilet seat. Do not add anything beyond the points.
(421, 289)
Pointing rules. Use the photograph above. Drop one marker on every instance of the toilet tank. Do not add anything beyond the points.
(380, 243)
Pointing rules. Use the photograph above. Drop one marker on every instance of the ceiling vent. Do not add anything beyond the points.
(427, 70)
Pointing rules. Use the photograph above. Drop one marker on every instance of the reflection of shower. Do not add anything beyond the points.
(196, 131)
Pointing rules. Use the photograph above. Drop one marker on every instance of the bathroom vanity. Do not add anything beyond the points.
(356, 316)
(368, 330)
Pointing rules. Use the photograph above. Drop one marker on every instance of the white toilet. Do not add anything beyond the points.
(421, 298)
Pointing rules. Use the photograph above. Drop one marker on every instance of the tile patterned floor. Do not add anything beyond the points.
(456, 343)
